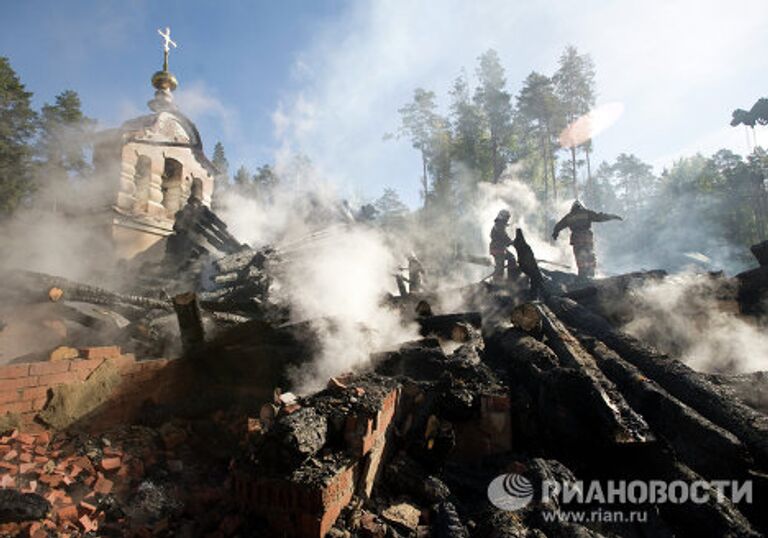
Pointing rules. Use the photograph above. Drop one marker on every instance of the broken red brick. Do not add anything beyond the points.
(10, 529)
(17, 383)
(43, 438)
(7, 482)
(24, 468)
(102, 485)
(52, 480)
(112, 451)
(88, 507)
(66, 512)
(10, 455)
(35, 528)
(109, 464)
(25, 457)
(88, 524)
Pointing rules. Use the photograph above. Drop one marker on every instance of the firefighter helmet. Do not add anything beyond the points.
(503, 215)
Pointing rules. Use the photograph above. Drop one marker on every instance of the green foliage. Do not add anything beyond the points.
(699, 205)
(242, 177)
(64, 137)
(264, 182)
(470, 141)
(633, 180)
(391, 210)
(220, 161)
(420, 122)
(575, 89)
(221, 178)
(17, 127)
(540, 120)
(495, 103)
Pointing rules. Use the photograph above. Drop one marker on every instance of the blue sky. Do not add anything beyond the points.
(325, 78)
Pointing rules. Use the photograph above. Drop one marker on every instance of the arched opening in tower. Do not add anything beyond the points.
(171, 186)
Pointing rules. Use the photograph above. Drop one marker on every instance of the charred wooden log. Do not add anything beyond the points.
(702, 445)
(629, 426)
(678, 379)
(753, 290)
(443, 325)
(29, 286)
(190, 322)
(761, 253)
(716, 517)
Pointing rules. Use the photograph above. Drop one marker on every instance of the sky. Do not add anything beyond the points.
(325, 77)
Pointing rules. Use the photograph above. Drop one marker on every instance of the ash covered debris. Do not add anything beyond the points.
(408, 443)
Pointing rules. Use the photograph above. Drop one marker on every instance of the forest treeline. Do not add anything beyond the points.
(712, 205)
(700, 204)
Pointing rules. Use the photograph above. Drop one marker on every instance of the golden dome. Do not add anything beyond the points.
(164, 80)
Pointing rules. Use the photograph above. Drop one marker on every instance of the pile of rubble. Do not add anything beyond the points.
(547, 389)
(130, 480)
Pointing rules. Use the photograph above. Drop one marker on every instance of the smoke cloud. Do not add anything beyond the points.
(334, 273)
(690, 316)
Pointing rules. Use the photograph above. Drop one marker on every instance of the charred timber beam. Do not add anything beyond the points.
(689, 386)
(443, 325)
(36, 286)
(554, 406)
(190, 321)
(629, 426)
(753, 290)
(761, 253)
(713, 518)
(702, 445)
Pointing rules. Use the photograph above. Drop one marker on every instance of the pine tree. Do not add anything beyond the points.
(495, 103)
(242, 178)
(17, 126)
(467, 127)
(265, 181)
(540, 118)
(417, 121)
(221, 179)
(575, 88)
(64, 137)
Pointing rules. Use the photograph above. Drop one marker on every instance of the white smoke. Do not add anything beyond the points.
(527, 214)
(690, 316)
(335, 275)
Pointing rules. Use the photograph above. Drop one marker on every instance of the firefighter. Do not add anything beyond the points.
(416, 273)
(527, 263)
(580, 220)
(500, 240)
